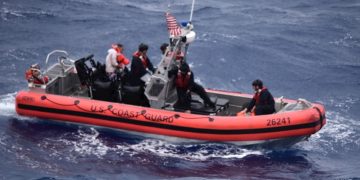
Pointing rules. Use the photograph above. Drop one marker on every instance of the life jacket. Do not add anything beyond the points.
(257, 96)
(182, 81)
(41, 80)
(120, 58)
(142, 58)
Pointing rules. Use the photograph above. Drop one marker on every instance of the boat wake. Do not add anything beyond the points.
(7, 105)
(89, 142)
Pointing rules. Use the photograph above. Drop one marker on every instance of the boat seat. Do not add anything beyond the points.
(84, 70)
(198, 107)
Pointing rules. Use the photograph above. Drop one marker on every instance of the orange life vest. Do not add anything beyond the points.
(120, 58)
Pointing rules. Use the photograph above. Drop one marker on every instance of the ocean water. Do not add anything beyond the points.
(300, 49)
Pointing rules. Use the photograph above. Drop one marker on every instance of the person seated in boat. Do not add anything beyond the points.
(263, 102)
(33, 75)
(185, 84)
(115, 63)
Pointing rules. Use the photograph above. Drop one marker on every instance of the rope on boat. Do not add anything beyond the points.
(142, 112)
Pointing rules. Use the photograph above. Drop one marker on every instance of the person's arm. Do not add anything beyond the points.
(113, 60)
(251, 105)
(121, 59)
(191, 81)
(150, 65)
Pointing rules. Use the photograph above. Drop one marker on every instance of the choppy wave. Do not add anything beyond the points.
(347, 41)
(7, 14)
(340, 134)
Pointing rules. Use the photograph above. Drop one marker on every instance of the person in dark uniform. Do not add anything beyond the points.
(185, 84)
(140, 65)
(263, 102)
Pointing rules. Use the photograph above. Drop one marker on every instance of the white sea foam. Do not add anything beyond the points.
(7, 107)
(5, 12)
(7, 104)
(90, 144)
(338, 135)
(166, 149)
(346, 41)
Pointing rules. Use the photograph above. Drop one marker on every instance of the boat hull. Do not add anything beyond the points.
(241, 129)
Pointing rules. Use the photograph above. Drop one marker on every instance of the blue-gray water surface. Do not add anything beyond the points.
(300, 49)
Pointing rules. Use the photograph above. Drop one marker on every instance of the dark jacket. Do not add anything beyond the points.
(138, 70)
(264, 103)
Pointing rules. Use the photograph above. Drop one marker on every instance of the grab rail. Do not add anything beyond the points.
(51, 53)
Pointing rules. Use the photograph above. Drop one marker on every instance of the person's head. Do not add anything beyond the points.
(143, 48)
(35, 66)
(35, 70)
(257, 84)
(184, 68)
(118, 47)
(163, 47)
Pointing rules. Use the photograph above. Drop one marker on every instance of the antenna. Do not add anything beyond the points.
(192, 10)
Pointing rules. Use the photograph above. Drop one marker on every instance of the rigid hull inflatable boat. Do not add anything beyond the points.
(65, 98)
(76, 93)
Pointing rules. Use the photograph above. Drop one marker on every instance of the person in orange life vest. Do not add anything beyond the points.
(185, 84)
(262, 102)
(33, 75)
(140, 65)
(115, 61)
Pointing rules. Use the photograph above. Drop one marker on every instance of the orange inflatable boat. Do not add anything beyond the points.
(245, 129)
(74, 93)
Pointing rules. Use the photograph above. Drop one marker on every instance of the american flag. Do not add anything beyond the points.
(173, 27)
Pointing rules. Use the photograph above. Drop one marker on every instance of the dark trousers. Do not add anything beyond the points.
(199, 90)
(184, 96)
